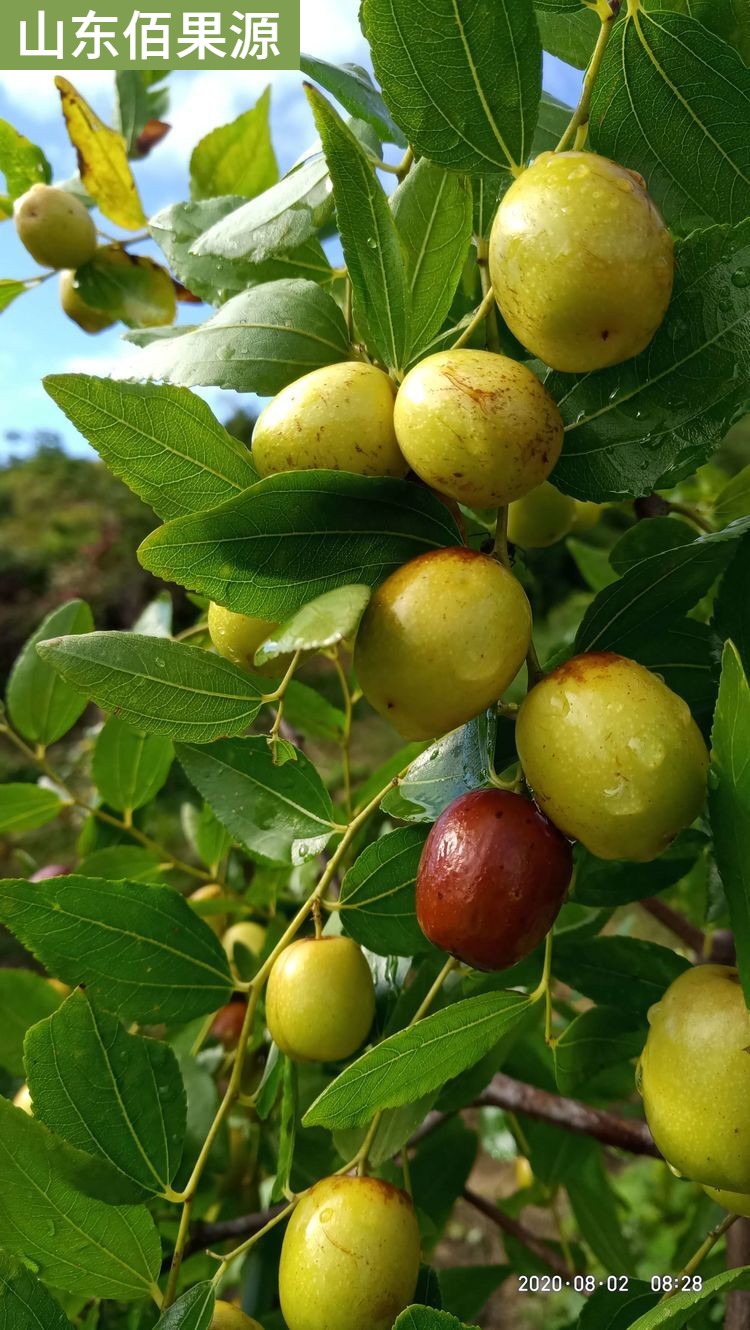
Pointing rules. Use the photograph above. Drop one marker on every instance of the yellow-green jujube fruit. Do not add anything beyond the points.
(350, 1257)
(237, 637)
(694, 1076)
(54, 227)
(441, 640)
(540, 518)
(227, 1317)
(320, 1000)
(736, 1202)
(581, 261)
(613, 756)
(89, 319)
(477, 427)
(210, 892)
(587, 515)
(338, 418)
(240, 938)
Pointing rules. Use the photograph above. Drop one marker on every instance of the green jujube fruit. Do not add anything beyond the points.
(477, 427)
(441, 640)
(320, 1001)
(350, 1257)
(338, 418)
(540, 518)
(694, 1076)
(613, 756)
(55, 227)
(581, 261)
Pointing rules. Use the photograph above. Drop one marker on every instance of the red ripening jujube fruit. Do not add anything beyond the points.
(491, 880)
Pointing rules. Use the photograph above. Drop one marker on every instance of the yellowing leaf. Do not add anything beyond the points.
(102, 160)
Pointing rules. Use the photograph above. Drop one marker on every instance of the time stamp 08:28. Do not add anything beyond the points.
(614, 1283)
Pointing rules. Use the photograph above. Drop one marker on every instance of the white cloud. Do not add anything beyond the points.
(34, 89)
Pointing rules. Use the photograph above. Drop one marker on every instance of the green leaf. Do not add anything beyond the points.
(684, 654)
(731, 617)
(647, 423)
(602, 884)
(396, 1127)
(155, 619)
(9, 291)
(161, 687)
(208, 837)
(467, 1289)
(598, 1039)
(41, 706)
(22, 163)
(74, 1241)
(114, 1095)
(607, 1310)
(729, 19)
(24, 807)
(654, 109)
(165, 443)
(646, 538)
(282, 813)
(592, 563)
(416, 1060)
(141, 951)
(25, 1303)
(484, 119)
(661, 587)
(734, 500)
(296, 535)
(278, 221)
(729, 800)
(594, 1204)
(140, 100)
(682, 1307)
(236, 158)
(129, 766)
(371, 244)
(287, 1130)
(426, 1318)
(568, 30)
(353, 88)
(433, 214)
(459, 762)
(260, 341)
(177, 228)
(313, 715)
(118, 862)
(377, 895)
(130, 287)
(193, 1311)
(322, 622)
(441, 1167)
(25, 998)
(620, 972)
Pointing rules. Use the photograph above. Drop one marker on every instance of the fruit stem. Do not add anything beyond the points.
(479, 315)
(500, 547)
(708, 1243)
(347, 734)
(405, 165)
(579, 121)
(544, 990)
(174, 1272)
(492, 333)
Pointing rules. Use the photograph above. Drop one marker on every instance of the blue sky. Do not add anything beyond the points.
(35, 338)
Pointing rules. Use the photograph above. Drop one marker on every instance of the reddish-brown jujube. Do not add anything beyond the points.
(491, 880)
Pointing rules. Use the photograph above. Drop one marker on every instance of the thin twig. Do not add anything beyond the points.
(511, 1226)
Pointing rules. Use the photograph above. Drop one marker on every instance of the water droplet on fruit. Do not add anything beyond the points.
(649, 751)
(326, 1215)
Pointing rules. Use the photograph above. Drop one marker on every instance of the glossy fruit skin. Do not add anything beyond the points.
(350, 1258)
(320, 1000)
(613, 756)
(477, 427)
(492, 878)
(227, 1317)
(339, 418)
(540, 518)
(211, 892)
(586, 516)
(89, 319)
(736, 1202)
(581, 261)
(54, 227)
(237, 637)
(694, 1076)
(441, 640)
